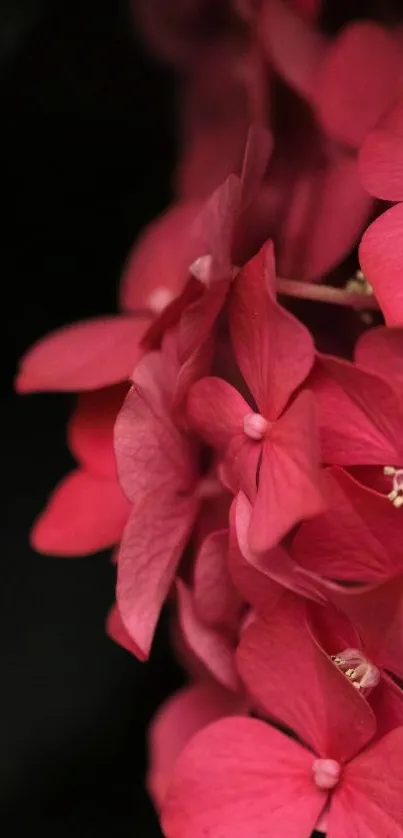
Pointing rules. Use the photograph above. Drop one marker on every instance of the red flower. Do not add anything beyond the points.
(349, 81)
(239, 774)
(380, 252)
(270, 448)
(83, 356)
(177, 720)
(158, 472)
(360, 414)
(87, 511)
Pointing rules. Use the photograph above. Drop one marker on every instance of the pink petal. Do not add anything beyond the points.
(294, 47)
(150, 451)
(185, 713)
(83, 356)
(289, 488)
(368, 801)
(152, 545)
(356, 540)
(198, 319)
(358, 81)
(261, 335)
(381, 157)
(210, 646)
(381, 259)
(303, 689)
(214, 227)
(381, 350)
(90, 430)
(117, 632)
(239, 777)
(83, 515)
(262, 579)
(259, 146)
(158, 266)
(370, 433)
(377, 613)
(387, 703)
(216, 410)
(328, 210)
(217, 601)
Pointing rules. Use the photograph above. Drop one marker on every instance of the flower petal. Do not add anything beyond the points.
(216, 410)
(151, 452)
(368, 801)
(83, 356)
(83, 515)
(90, 430)
(295, 48)
(381, 259)
(358, 539)
(217, 601)
(289, 488)
(377, 613)
(262, 579)
(176, 722)
(370, 433)
(262, 333)
(152, 545)
(381, 157)
(358, 81)
(117, 632)
(302, 687)
(210, 646)
(239, 777)
(157, 268)
(381, 350)
(328, 210)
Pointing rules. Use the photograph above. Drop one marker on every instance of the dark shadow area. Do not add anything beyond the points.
(88, 145)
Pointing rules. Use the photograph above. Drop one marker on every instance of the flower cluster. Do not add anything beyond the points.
(249, 469)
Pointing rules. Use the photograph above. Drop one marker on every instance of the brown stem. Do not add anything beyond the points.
(326, 294)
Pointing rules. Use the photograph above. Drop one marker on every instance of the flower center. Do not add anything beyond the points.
(363, 674)
(359, 285)
(201, 269)
(326, 773)
(255, 426)
(396, 495)
(160, 299)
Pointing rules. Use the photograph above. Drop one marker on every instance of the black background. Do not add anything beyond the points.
(88, 143)
(88, 146)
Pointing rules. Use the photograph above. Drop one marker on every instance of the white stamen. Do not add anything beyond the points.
(201, 268)
(160, 299)
(255, 426)
(326, 773)
(396, 495)
(363, 674)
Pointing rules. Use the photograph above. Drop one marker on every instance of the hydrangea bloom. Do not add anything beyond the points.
(239, 427)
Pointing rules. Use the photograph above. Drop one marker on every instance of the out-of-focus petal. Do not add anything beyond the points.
(90, 430)
(381, 259)
(84, 356)
(158, 266)
(358, 81)
(83, 515)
